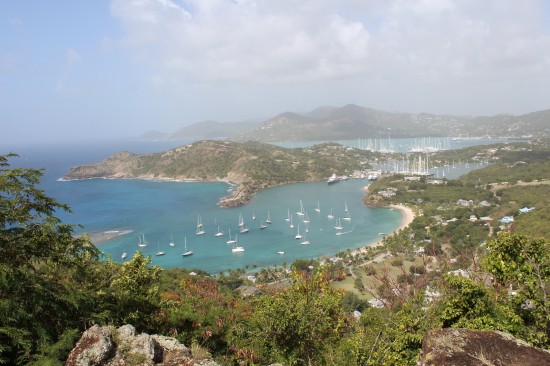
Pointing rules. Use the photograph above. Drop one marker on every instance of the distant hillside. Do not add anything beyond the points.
(251, 165)
(352, 121)
(203, 131)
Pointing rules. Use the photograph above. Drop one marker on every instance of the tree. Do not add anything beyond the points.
(42, 267)
(298, 324)
(129, 293)
(516, 261)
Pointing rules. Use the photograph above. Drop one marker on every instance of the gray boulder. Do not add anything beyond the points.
(465, 347)
(107, 346)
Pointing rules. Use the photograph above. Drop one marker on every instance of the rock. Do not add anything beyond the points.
(106, 346)
(94, 348)
(465, 347)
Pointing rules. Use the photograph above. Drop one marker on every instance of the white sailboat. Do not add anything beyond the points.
(318, 208)
(159, 252)
(298, 235)
(236, 248)
(268, 220)
(306, 218)
(230, 241)
(330, 215)
(288, 215)
(346, 206)
(301, 212)
(348, 216)
(219, 233)
(172, 244)
(253, 215)
(339, 228)
(186, 253)
(243, 229)
(142, 241)
(200, 228)
(291, 224)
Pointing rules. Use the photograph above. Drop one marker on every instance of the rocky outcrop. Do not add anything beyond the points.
(107, 346)
(120, 165)
(464, 347)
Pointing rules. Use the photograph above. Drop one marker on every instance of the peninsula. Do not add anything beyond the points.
(251, 166)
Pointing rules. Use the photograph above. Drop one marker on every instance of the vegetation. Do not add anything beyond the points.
(53, 285)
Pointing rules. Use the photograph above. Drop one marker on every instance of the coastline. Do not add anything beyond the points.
(407, 219)
(104, 236)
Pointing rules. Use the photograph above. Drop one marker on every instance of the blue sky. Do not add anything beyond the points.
(89, 69)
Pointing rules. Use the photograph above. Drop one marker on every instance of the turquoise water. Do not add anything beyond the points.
(165, 210)
(162, 210)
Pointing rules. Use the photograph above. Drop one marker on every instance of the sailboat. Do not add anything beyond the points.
(330, 215)
(219, 233)
(268, 220)
(230, 241)
(288, 215)
(348, 216)
(346, 206)
(298, 235)
(338, 225)
(306, 218)
(236, 248)
(200, 229)
(187, 252)
(172, 242)
(301, 212)
(318, 208)
(291, 224)
(159, 252)
(142, 242)
(253, 215)
(243, 229)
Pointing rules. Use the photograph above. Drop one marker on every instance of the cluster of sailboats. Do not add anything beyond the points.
(143, 243)
(302, 214)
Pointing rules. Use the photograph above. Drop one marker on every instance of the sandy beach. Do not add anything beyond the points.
(104, 236)
(408, 217)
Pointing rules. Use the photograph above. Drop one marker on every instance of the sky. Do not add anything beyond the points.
(95, 68)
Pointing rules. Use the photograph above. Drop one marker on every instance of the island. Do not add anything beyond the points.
(250, 166)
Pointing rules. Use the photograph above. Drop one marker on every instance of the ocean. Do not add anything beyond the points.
(163, 212)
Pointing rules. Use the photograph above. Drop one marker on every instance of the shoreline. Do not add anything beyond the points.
(407, 219)
(102, 237)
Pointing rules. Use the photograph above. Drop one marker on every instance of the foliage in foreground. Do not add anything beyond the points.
(52, 286)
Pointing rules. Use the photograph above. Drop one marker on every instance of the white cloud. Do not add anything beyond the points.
(383, 44)
(249, 41)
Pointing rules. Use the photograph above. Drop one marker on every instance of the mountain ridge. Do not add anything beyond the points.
(352, 121)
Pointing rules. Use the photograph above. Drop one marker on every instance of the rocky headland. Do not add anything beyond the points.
(251, 166)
